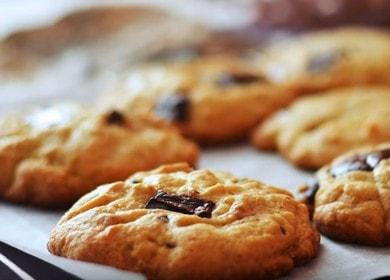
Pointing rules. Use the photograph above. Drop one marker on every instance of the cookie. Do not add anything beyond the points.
(329, 59)
(52, 156)
(352, 202)
(316, 129)
(177, 223)
(211, 99)
(106, 39)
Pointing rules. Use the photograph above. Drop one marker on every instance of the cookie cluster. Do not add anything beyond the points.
(321, 99)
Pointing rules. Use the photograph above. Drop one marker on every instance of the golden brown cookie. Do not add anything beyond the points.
(316, 129)
(211, 99)
(53, 156)
(352, 203)
(177, 223)
(331, 58)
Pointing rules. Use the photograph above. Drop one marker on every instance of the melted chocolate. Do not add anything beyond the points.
(229, 79)
(311, 192)
(173, 108)
(116, 118)
(364, 162)
(375, 158)
(182, 204)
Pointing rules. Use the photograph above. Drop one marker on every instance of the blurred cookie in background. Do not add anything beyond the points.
(106, 36)
(317, 128)
(212, 99)
(308, 14)
(83, 53)
(331, 58)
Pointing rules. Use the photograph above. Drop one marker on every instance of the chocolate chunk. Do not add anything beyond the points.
(182, 204)
(310, 194)
(116, 118)
(365, 162)
(135, 181)
(321, 62)
(230, 79)
(173, 108)
(170, 245)
(356, 163)
(373, 159)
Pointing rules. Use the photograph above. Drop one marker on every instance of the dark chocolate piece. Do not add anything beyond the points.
(321, 62)
(310, 194)
(116, 118)
(173, 108)
(356, 163)
(364, 162)
(170, 245)
(182, 204)
(136, 181)
(227, 79)
(373, 159)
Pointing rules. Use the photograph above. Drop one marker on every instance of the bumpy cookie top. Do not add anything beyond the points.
(179, 223)
(316, 129)
(54, 155)
(353, 201)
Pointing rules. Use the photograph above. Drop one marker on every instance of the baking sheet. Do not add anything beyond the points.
(28, 228)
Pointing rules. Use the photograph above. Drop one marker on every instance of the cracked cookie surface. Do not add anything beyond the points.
(352, 203)
(316, 129)
(177, 223)
(211, 99)
(51, 157)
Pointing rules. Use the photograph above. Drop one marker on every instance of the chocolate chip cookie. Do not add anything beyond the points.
(352, 203)
(328, 59)
(52, 156)
(177, 223)
(316, 129)
(211, 99)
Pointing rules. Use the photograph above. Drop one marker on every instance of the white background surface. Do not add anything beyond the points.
(28, 228)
